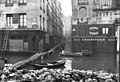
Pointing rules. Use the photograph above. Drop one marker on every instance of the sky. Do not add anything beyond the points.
(66, 7)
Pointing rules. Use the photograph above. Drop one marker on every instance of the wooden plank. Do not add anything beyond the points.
(18, 64)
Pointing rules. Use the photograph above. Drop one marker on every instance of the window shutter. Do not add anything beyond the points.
(15, 18)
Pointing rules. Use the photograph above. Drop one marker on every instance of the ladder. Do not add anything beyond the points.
(5, 41)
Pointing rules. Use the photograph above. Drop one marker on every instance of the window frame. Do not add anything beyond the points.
(105, 31)
(22, 2)
(8, 3)
(9, 20)
(41, 4)
(44, 6)
(22, 20)
(43, 23)
(40, 21)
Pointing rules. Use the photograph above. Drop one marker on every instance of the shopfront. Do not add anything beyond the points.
(97, 38)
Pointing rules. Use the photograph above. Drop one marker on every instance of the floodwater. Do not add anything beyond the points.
(97, 61)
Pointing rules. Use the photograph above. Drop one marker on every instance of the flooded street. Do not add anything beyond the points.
(96, 62)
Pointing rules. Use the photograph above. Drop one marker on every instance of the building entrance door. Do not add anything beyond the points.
(41, 45)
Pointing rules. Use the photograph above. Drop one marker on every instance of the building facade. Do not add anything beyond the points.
(32, 24)
(93, 25)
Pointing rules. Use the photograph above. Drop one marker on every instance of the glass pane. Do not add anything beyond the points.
(21, 20)
(103, 30)
(24, 18)
(21, 1)
(11, 20)
(25, 1)
(7, 21)
(25, 24)
(21, 23)
(106, 30)
(21, 16)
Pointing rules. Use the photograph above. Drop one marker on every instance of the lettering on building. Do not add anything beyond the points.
(93, 30)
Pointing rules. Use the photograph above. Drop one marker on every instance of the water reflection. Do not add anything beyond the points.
(95, 62)
(117, 63)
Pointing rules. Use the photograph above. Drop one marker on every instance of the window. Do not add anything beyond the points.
(75, 14)
(105, 30)
(22, 20)
(43, 5)
(103, 14)
(83, 14)
(40, 4)
(48, 11)
(22, 2)
(106, 13)
(9, 3)
(83, 2)
(43, 23)
(40, 21)
(9, 20)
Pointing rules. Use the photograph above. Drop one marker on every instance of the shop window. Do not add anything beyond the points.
(22, 20)
(9, 3)
(22, 2)
(105, 30)
(16, 45)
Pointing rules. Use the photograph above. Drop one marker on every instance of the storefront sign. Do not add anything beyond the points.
(93, 31)
(89, 39)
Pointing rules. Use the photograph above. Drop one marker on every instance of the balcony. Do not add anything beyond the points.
(8, 4)
(103, 9)
(83, 3)
(22, 4)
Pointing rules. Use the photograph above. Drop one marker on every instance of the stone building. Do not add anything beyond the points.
(34, 25)
(93, 25)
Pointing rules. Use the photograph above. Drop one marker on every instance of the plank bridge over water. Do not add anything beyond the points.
(34, 57)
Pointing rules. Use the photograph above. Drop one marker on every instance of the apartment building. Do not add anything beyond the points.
(30, 24)
(93, 25)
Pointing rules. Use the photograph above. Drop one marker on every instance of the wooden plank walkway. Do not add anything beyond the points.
(37, 55)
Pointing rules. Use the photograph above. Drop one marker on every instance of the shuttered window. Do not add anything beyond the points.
(15, 18)
(16, 44)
